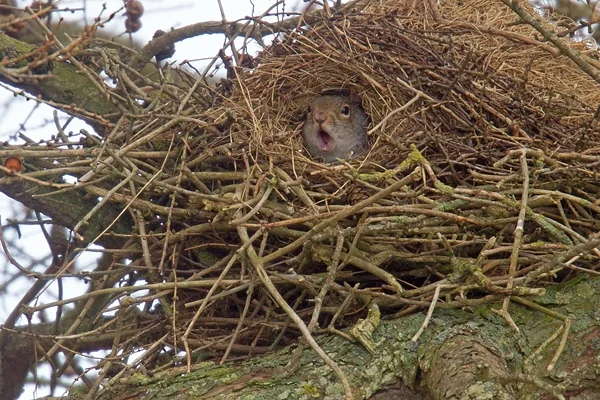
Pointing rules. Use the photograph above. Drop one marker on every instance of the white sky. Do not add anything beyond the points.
(158, 14)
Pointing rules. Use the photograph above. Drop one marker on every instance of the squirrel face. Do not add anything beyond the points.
(335, 127)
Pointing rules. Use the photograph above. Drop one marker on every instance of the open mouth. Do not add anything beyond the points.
(326, 141)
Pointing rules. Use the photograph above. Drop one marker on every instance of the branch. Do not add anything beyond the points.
(67, 208)
(64, 87)
(255, 28)
(464, 360)
(27, 343)
(549, 35)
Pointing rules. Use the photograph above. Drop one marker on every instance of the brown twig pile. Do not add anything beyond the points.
(481, 181)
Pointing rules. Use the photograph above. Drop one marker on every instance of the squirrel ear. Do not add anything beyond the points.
(355, 98)
(351, 94)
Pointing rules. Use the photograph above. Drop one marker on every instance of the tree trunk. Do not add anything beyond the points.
(462, 354)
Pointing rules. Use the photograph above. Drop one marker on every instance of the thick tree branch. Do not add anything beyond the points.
(67, 208)
(66, 88)
(26, 343)
(462, 352)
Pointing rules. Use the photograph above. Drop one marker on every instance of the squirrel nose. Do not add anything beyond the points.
(319, 116)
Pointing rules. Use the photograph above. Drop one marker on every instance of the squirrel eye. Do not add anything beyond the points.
(345, 110)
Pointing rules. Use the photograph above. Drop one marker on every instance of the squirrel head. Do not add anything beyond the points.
(335, 127)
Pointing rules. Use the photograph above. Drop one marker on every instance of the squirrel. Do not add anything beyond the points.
(335, 127)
